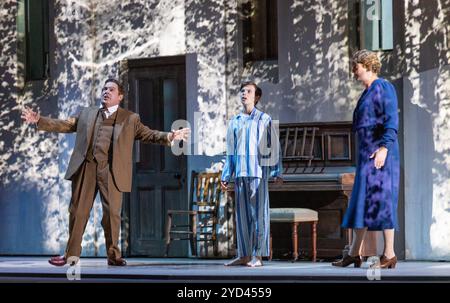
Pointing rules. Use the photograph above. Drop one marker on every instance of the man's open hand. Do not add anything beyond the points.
(29, 115)
(181, 134)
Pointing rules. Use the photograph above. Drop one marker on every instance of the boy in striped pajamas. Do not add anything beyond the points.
(252, 158)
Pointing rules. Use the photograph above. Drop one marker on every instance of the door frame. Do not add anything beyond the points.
(124, 68)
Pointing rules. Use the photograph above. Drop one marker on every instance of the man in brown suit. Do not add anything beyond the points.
(101, 161)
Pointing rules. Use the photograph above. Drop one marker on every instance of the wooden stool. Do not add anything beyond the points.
(295, 216)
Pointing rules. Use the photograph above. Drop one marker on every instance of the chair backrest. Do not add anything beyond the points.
(205, 190)
(297, 143)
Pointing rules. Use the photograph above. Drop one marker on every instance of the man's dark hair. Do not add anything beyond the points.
(119, 85)
(258, 91)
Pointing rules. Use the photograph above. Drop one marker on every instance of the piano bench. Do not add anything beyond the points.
(295, 216)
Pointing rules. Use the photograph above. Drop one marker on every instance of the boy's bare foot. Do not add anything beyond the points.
(237, 261)
(255, 262)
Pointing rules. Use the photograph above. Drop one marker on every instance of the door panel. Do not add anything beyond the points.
(157, 93)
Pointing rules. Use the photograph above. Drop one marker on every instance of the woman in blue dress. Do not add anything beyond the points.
(252, 158)
(373, 204)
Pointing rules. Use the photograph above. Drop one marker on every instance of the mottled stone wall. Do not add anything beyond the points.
(312, 79)
(426, 96)
(89, 38)
(28, 162)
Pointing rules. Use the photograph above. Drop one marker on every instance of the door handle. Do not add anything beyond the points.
(181, 181)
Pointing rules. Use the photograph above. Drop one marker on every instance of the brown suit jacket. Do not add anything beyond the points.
(128, 128)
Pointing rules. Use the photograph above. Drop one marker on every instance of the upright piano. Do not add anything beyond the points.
(318, 170)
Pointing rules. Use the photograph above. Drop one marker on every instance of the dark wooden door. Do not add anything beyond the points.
(157, 91)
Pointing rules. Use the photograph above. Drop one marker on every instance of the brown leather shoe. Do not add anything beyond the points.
(117, 262)
(58, 261)
(388, 263)
(61, 261)
(58, 258)
(348, 260)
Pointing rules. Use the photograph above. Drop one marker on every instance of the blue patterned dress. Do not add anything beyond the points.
(374, 199)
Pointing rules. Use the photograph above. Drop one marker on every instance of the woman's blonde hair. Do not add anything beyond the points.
(367, 59)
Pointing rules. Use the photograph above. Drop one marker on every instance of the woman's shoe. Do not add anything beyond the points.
(388, 263)
(348, 260)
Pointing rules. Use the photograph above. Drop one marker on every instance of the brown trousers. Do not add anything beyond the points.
(91, 178)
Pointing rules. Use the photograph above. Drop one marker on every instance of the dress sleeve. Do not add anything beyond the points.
(389, 114)
(390, 119)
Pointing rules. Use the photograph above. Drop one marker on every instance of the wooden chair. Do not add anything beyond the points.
(296, 216)
(202, 216)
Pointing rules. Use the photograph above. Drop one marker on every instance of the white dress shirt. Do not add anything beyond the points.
(110, 110)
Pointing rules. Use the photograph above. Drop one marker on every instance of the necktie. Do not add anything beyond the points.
(103, 111)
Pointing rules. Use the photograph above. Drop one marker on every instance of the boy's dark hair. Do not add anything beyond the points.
(258, 91)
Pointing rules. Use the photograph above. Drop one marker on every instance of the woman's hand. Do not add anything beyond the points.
(380, 157)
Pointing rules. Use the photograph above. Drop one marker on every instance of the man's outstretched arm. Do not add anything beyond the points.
(49, 124)
(147, 135)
